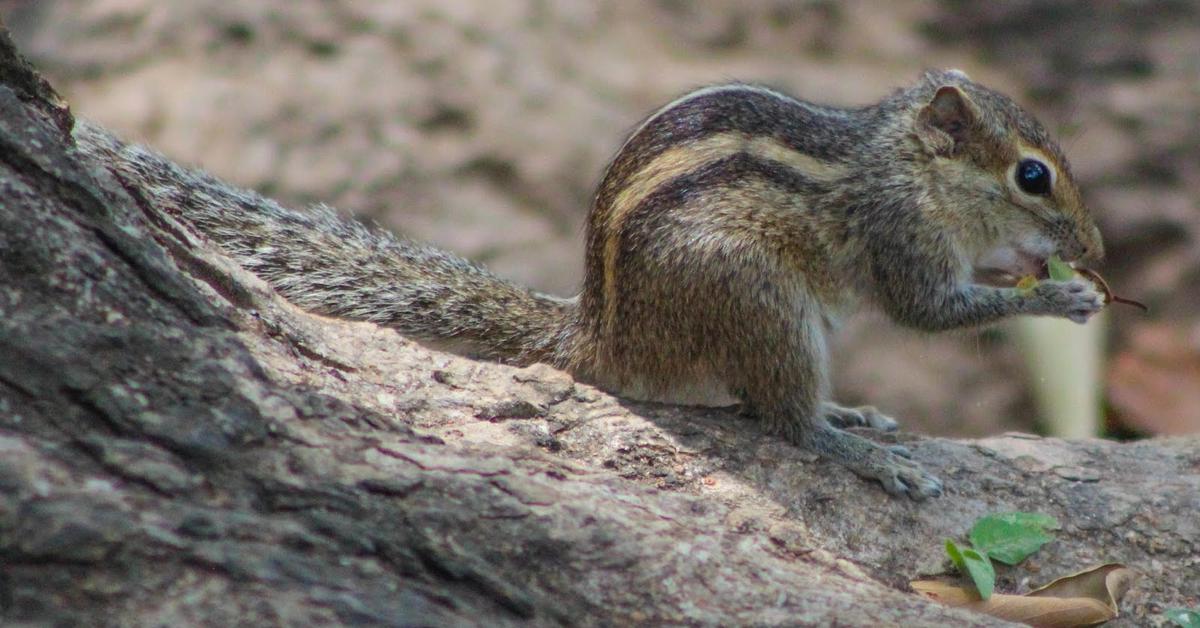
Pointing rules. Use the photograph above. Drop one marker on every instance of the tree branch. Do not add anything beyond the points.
(182, 446)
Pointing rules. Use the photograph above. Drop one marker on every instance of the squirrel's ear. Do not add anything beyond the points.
(947, 121)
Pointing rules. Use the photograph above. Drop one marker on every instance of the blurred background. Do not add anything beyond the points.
(483, 126)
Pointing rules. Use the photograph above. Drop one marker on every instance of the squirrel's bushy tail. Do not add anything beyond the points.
(339, 267)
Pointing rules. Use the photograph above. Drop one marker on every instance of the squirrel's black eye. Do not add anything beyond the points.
(1033, 176)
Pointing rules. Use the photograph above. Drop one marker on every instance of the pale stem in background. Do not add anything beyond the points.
(1065, 363)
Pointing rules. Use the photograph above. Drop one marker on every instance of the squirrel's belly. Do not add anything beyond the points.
(705, 391)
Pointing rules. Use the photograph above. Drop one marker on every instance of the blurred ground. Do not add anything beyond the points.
(483, 127)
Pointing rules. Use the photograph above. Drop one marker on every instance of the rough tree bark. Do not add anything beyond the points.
(181, 446)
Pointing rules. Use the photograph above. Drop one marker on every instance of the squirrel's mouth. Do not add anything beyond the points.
(1005, 267)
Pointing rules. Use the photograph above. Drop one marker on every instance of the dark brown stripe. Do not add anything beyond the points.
(824, 133)
(724, 172)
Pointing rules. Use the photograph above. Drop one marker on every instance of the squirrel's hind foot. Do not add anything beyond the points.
(891, 467)
(901, 476)
(862, 416)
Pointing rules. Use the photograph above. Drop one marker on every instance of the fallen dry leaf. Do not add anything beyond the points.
(1086, 598)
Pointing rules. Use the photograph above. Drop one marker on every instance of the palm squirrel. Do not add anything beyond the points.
(732, 229)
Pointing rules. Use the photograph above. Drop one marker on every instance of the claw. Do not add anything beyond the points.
(865, 416)
(883, 422)
(890, 466)
(903, 477)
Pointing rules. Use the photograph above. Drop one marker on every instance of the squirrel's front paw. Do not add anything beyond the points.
(1076, 299)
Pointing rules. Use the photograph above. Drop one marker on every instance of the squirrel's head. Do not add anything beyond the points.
(993, 166)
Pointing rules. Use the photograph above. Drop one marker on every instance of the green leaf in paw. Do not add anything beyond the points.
(1059, 270)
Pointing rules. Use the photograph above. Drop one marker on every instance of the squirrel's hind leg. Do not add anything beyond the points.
(786, 388)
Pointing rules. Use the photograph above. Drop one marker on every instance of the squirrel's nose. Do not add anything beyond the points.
(1086, 247)
(1093, 246)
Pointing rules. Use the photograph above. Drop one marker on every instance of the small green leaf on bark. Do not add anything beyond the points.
(1186, 617)
(974, 564)
(1011, 537)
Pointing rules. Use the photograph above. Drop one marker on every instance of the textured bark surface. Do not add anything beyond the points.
(180, 446)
